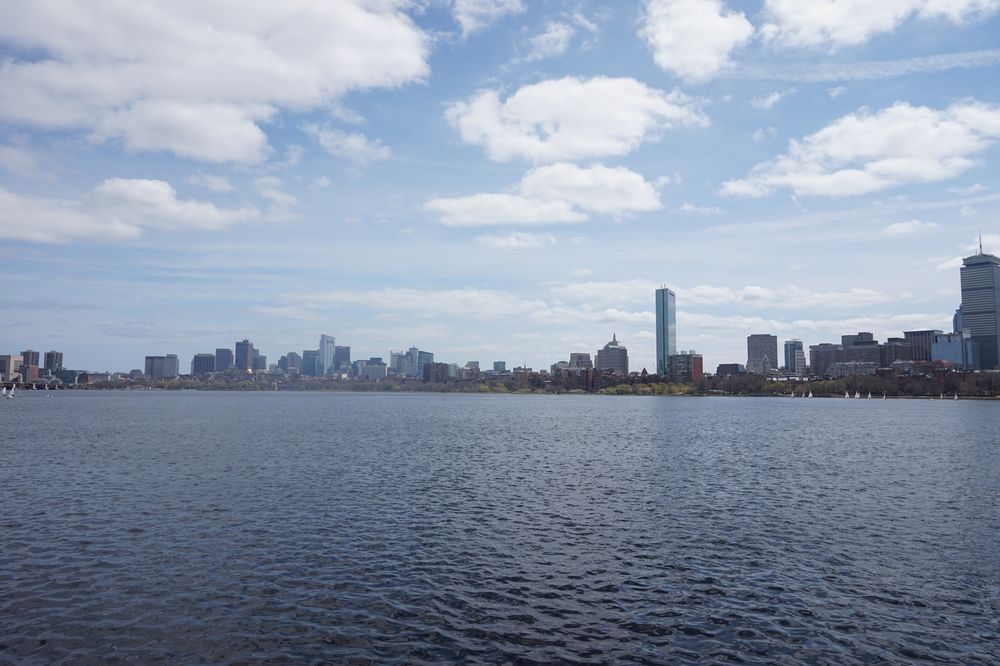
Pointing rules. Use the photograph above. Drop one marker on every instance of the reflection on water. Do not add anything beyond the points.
(375, 528)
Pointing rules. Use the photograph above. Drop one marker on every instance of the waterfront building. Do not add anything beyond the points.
(435, 372)
(614, 357)
(920, 343)
(894, 349)
(259, 361)
(69, 377)
(53, 361)
(244, 356)
(163, 367)
(290, 363)
(666, 328)
(29, 357)
(29, 373)
(372, 369)
(957, 349)
(10, 365)
(762, 353)
(501, 366)
(556, 368)
(311, 363)
(824, 355)
(685, 367)
(342, 358)
(224, 359)
(980, 310)
(411, 363)
(202, 364)
(580, 361)
(795, 358)
(730, 370)
(851, 369)
(327, 354)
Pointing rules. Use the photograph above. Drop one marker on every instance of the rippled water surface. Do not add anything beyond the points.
(227, 527)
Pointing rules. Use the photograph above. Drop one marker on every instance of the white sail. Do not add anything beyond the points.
(810, 394)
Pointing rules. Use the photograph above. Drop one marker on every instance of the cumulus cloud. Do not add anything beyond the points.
(551, 194)
(909, 227)
(211, 182)
(117, 209)
(474, 15)
(866, 152)
(553, 42)
(353, 146)
(517, 241)
(571, 118)
(850, 22)
(188, 78)
(693, 38)
(766, 102)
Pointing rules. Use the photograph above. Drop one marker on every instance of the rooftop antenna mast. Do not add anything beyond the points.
(980, 241)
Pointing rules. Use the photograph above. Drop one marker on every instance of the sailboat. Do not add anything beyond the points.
(3, 392)
(956, 396)
(846, 394)
(10, 396)
(857, 395)
(883, 396)
(810, 394)
(869, 395)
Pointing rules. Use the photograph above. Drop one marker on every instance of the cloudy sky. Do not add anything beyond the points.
(488, 179)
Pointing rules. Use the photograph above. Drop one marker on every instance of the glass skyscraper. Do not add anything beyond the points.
(666, 328)
(980, 275)
(327, 353)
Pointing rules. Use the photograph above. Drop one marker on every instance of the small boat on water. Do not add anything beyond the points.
(810, 394)
(846, 394)
(857, 395)
(869, 395)
(956, 396)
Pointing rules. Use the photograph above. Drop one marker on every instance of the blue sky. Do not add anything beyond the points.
(489, 179)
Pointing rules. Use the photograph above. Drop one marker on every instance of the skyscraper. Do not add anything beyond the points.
(223, 360)
(762, 353)
(795, 358)
(53, 361)
(613, 357)
(341, 357)
(202, 364)
(666, 328)
(29, 357)
(327, 353)
(980, 276)
(244, 355)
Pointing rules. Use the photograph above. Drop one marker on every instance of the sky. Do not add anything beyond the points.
(488, 179)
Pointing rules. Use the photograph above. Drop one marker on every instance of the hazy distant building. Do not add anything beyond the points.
(202, 364)
(824, 355)
(259, 361)
(958, 349)
(762, 353)
(980, 310)
(372, 369)
(163, 367)
(852, 340)
(29, 373)
(920, 343)
(730, 370)
(311, 366)
(666, 328)
(501, 366)
(894, 349)
(10, 365)
(580, 360)
(686, 367)
(244, 356)
(851, 369)
(327, 353)
(29, 357)
(614, 357)
(53, 361)
(435, 372)
(224, 360)
(795, 358)
(342, 358)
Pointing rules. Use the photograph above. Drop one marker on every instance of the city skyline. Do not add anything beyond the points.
(455, 192)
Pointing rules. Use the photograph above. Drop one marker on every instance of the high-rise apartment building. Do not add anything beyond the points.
(614, 357)
(666, 328)
(224, 360)
(29, 357)
(327, 353)
(310, 363)
(202, 364)
(580, 360)
(795, 358)
(687, 367)
(341, 358)
(244, 356)
(762, 353)
(53, 361)
(920, 343)
(501, 366)
(163, 367)
(980, 311)
(10, 365)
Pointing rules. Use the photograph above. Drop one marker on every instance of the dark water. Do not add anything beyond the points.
(224, 527)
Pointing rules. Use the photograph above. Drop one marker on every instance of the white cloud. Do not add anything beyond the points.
(967, 211)
(211, 182)
(693, 38)
(763, 133)
(836, 92)
(474, 15)
(693, 209)
(198, 79)
(571, 118)
(851, 22)
(552, 194)
(117, 209)
(865, 152)
(910, 227)
(553, 42)
(969, 190)
(517, 241)
(770, 100)
(353, 146)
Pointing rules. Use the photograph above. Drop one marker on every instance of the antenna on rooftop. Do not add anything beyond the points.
(980, 240)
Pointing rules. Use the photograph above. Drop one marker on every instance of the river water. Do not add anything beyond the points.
(189, 527)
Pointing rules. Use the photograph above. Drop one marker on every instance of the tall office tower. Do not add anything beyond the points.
(259, 361)
(920, 343)
(762, 353)
(822, 356)
(29, 357)
(162, 367)
(980, 275)
(795, 358)
(666, 328)
(223, 360)
(613, 357)
(501, 366)
(244, 355)
(341, 355)
(202, 364)
(956, 320)
(310, 363)
(580, 360)
(895, 349)
(327, 352)
(53, 361)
